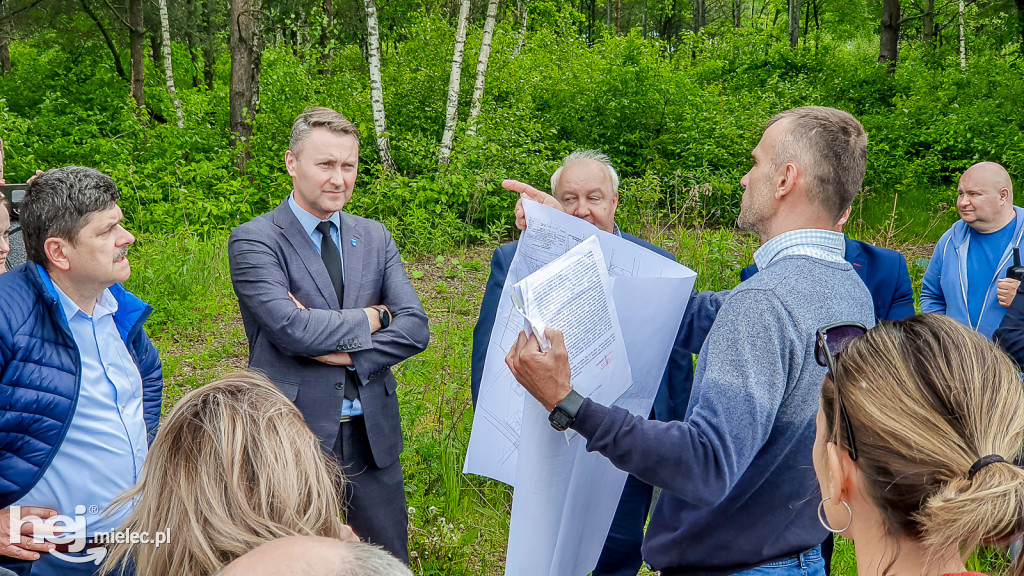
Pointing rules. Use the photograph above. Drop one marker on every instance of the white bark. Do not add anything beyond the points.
(380, 124)
(481, 64)
(522, 30)
(454, 81)
(963, 45)
(165, 30)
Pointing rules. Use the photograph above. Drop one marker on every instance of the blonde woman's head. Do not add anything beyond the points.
(926, 399)
(233, 466)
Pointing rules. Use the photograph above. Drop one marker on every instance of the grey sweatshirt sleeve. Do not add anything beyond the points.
(741, 378)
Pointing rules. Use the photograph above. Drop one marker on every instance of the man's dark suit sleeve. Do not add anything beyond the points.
(485, 323)
(261, 284)
(748, 272)
(408, 333)
(1010, 334)
(902, 306)
(697, 320)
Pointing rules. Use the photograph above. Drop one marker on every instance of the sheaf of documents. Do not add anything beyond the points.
(573, 294)
(565, 498)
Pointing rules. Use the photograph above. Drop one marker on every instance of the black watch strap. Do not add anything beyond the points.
(564, 414)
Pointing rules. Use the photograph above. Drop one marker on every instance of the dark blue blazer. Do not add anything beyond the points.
(883, 271)
(674, 394)
(1010, 334)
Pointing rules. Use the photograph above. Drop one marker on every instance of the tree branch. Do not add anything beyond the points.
(118, 15)
(20, 10)
(106, 38)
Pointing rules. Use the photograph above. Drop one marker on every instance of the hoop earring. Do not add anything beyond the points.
(824, 521)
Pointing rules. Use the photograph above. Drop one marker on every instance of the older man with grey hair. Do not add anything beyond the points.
(587, 186)
(316, 556)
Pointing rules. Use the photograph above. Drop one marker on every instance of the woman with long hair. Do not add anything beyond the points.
(233, 466)
(920, 426)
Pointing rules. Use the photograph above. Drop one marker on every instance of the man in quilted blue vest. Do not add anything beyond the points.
(80, 382)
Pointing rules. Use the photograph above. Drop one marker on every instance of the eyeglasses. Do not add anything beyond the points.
(832, 340)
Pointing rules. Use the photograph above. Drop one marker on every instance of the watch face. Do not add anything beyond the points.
(385, 318)
(559, 420)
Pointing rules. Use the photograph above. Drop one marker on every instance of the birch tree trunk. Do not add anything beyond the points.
(246, 45)
(481, 64)
(454, 81)
(524, 11)
(165, 30)
(136, 31)
(963, 43)
(380, 124)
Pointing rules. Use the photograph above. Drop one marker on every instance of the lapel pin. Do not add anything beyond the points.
(354, 242)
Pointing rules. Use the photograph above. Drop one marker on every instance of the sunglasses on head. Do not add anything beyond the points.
(831, 341)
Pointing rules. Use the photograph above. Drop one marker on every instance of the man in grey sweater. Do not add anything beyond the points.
(739, 491)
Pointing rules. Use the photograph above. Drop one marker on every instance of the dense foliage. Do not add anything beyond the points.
(679, 119)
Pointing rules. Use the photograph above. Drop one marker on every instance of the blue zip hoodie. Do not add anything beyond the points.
(944, 288)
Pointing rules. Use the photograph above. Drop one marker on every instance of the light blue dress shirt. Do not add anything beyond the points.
(308, 223)
(106, 442)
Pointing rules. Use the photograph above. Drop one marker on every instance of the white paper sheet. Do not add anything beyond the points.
(494, 441)
(565, 498)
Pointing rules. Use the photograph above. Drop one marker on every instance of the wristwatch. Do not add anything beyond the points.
(385, 316)
(564, 414)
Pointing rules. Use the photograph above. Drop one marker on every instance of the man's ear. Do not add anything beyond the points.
(289, 162)
(1004, 195)
(615, 202)
(785, 180)
(844, 218)
(56, 252)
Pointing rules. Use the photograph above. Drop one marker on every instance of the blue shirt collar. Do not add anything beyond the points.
(106, 304)
(307, 220)
(817, 243)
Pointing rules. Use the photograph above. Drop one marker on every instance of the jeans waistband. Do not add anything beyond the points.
(803, 559)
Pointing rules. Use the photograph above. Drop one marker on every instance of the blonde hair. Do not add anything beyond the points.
(233, 466)
(927, 398)
(319, 117)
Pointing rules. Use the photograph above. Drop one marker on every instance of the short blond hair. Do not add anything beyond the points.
(319, 117)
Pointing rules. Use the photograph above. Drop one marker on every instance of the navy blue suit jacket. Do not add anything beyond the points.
(674, 394)
(883, 271)
(1010, 334)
